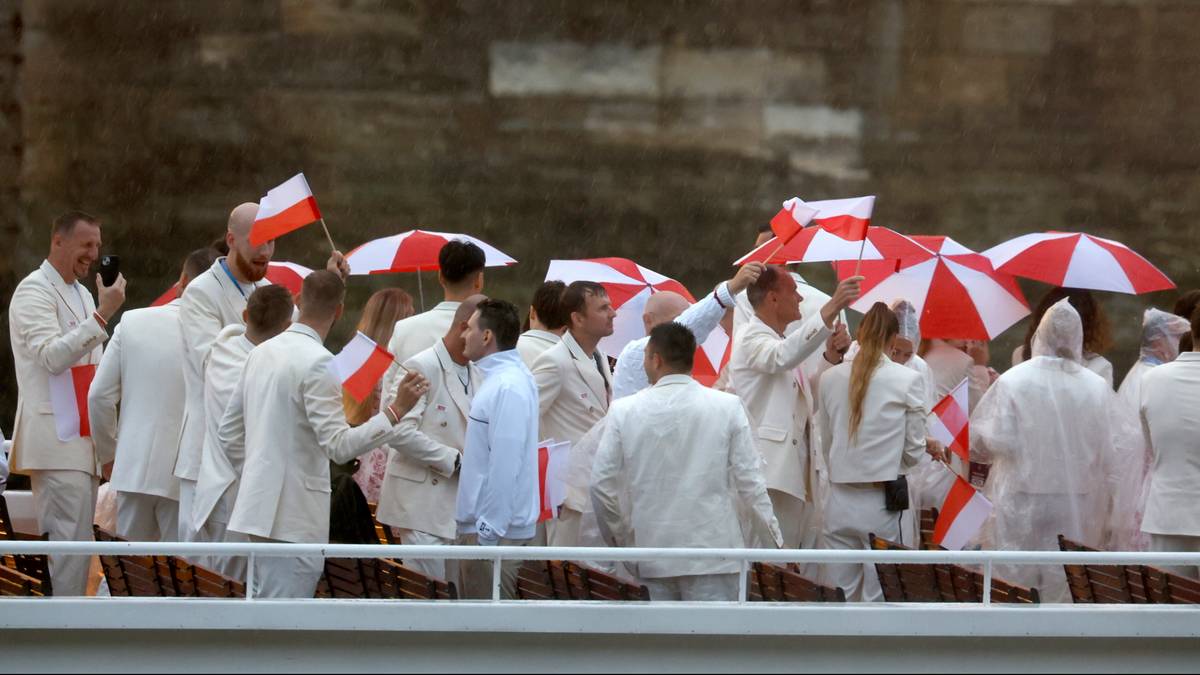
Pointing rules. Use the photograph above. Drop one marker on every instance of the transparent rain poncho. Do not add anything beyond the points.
(1160, 344)
(1045, 429)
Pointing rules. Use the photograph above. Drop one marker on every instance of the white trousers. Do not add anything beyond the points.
(852, 514)
(444, 570)
(1177, 543)
(142, 517)
(230, 567)
(187, 495)
(695, 588)
(564, 530)
(286, 577)
(475, 576)
(66, 506)
(797, 520)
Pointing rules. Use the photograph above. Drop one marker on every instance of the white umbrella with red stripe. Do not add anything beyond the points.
(415, 251)
(286, 274)
(1078, 260)
(629, 285)
(954, 290)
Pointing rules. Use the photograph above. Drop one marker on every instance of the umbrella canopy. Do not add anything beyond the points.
(629, 285)
(817, 244)
(1078, 260)
(286, 274)
(414, 251)
(954, 290)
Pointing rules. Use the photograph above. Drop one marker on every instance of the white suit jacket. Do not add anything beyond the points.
(891, 436)
(573, 390)
(216, 485)
(673, 462)
(763, 369)
(533, 343)
(421, 486)
(286, 420)
(210, 303)
(413, 336)
(51, 329)
(142, 372)
(1170, 412)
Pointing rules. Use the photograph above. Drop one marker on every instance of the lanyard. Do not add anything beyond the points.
(229, 274)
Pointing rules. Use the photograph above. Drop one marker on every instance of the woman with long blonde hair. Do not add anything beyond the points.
(379, 318)
(873, 413)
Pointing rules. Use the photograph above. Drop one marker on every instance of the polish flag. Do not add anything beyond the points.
(845, 218)
(949, 422)
(962, 516)
(553, 460)
(360, 365)
(791, 219)
(288, 207)
(68, 400)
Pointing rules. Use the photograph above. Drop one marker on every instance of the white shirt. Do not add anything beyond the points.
(498, 492)
(701, 318)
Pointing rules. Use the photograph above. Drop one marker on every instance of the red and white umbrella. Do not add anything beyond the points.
(954, 290)
(286, 274)
(1078, 260)
(629, 285)
(414, 251)
(817, 244)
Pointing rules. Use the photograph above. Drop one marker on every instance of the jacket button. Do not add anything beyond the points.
(443, 424)
(795, 441)
(435, 481)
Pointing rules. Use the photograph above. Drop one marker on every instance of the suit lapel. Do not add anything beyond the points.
(586, 365)
(450, 380)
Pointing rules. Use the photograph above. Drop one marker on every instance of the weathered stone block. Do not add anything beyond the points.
(797, 77)
(1009, 29)
(715, 73)
(563, 68)
(818, 122)
(309, 17)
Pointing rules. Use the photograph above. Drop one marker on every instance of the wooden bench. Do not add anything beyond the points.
(566, 580)
(14, 583)
(1126, 584)
(777, 583)
(35, 566)
(940, 582)
(380, 578)
(162, 576)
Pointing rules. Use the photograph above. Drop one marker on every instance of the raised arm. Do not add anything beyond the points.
(33, 314)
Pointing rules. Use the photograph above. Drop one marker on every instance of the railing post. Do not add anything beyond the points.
(496, 578)
(743, 584)
(250, 578)
(987, 583)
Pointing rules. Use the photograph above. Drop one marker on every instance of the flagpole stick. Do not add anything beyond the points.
(329, 238)
(861, 251)
(420, 289)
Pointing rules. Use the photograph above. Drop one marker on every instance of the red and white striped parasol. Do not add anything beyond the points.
(1078, 260)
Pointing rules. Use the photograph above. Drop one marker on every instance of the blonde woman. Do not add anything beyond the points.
(379, 318)
(873, 413)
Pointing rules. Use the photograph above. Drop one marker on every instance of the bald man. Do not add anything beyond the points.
(700, 318)
(214, 300)
(421, 485)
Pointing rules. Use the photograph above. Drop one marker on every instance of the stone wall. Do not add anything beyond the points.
(665, 131)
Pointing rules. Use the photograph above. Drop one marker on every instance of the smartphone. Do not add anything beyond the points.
(110, 268)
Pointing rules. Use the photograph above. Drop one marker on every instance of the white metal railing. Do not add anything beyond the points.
(498, 554)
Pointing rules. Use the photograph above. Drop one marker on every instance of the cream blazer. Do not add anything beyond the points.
(216, 485)
(573, 390)
(210, 302)
(763, 367)
(891, 436)
(286, 420)
(142, 372)
(420, 487)
(1170, 412)
(51, 329)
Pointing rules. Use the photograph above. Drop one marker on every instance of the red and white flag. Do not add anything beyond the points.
(949, 422)
(794, 216)
(553, 460)
(360, 365)
(962, 516)
(288, 207)
(844, 218)
(69, 401)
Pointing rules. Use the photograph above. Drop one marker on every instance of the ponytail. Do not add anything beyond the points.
(876, 331)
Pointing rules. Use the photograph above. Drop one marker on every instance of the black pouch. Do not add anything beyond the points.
(895, 494)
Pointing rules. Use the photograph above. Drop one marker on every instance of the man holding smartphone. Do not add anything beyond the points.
(55, 328)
